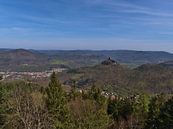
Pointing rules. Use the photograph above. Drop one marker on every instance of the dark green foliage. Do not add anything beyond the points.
(141, 104)
(73, 94)
(165, 118)
(56, 103)
(132, 111)
(120, 109)
(126, 108)
(2, 105)
(1, 77)
(154, 110)
(95, 94)
(112, 109)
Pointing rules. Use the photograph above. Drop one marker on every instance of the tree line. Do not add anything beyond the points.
(25, 105)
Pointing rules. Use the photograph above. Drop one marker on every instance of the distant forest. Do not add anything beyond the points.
(41, 60)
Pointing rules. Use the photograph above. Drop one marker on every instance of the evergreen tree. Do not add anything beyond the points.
(125, 108)
(56, 103)
(1, 77)
(2, 105)
(95, 94)
(165, 118)
(154, 111)
(120, 110)
(73, 93)
(141, 105)
(113, 109)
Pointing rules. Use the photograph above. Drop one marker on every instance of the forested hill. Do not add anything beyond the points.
(40, 60)
(123, 56)
(114, 77)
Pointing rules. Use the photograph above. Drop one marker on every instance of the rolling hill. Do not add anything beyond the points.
(40, 60)
(22, 60)
(147, 78)
(82, 58)
(153, 72)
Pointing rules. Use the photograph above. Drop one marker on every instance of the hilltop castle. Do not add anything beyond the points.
(109, 61)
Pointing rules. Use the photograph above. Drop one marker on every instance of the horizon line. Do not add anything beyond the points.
(86, 50)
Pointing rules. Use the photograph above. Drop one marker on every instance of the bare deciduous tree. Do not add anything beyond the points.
(25, 113)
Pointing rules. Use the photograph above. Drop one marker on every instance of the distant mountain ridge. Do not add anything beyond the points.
(19, 59)
(78, 58)
(21, 53)
(124, 56)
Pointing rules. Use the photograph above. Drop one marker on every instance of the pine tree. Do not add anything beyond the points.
(1, 77)
(165, 118)
(140, 109)
(95, 94)
(1, 107)
(73, 93)
(56, 103)
(154, 111)
(113, 109)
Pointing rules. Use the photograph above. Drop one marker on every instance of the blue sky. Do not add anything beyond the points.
(87, 24)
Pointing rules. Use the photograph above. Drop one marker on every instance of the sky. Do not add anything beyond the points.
(87, 24)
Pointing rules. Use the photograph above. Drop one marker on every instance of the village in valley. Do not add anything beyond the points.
(8, 75)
